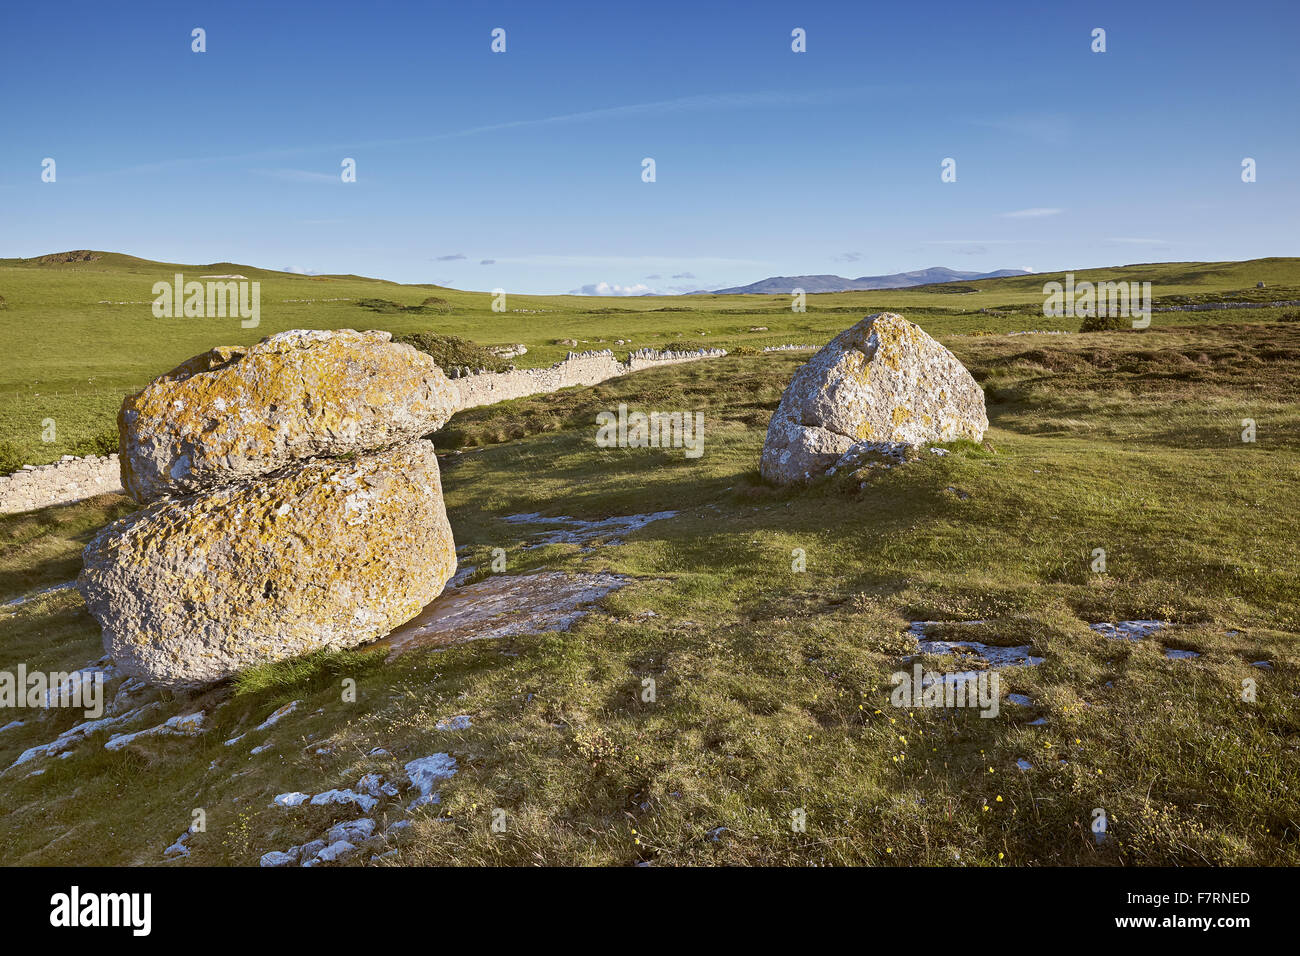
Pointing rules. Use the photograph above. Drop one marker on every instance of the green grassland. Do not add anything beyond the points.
(772, 686)
(80, 334)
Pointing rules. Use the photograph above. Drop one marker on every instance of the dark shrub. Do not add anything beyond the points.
(1106, 323)
(450, 351)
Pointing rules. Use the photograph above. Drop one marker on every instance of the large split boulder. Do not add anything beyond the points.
(883, 381)
(237, 412)
(326, 553)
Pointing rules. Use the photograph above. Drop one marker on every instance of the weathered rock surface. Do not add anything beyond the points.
(330, 553)
(236, 412)
(884, 380)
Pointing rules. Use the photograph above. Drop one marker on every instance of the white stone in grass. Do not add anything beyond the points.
(1128, 630)
(178, 849)
(343, 797)
(373, 784)
(336, 851)
(424, 772)
(354, 831)
(278, 858)
(182, 725)
(459, 722)
(279, 715)
(293, 799)
(68, 686)
(76, 734)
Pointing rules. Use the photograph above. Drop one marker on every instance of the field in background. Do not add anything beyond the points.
(772, 687)
(80, 334)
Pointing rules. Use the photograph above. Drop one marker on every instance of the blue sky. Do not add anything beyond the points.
(522, 170)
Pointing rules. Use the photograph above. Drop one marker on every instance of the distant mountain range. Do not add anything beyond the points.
(781, 285)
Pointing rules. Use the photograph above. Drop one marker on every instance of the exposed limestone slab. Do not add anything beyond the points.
(579, 531)
(236, 412)
(334, 553)
(884, 380)
(182, 725)
(506, 605)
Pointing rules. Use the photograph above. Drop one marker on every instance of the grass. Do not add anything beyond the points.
(772, 686)
(80, 333)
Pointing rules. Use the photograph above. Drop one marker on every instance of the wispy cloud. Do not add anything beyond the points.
(1034, 213)
(487, 262)
(454, 257)
(847, 257)
(707, 102)
(299, 175)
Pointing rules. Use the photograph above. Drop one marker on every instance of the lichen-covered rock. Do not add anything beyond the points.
(330, 553)
(884, 380)
(236, 412)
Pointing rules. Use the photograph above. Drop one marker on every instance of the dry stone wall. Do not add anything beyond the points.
(72, 479)
(578, 369)
(67, 480)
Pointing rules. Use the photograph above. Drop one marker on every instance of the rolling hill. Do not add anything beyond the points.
(831, 283)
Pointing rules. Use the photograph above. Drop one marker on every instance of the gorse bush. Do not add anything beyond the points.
(450, 351)
(104, 443)
(1106, 323)
(430, 304)
(11, 456)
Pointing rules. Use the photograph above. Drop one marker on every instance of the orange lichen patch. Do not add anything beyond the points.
(882, 379)
(327, 554)
(234, 413)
